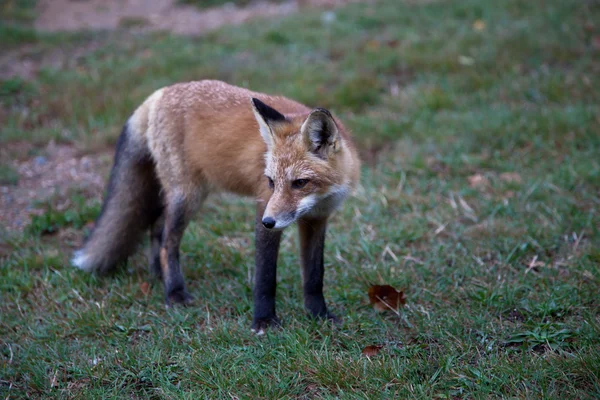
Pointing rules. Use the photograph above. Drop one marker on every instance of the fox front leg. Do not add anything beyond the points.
(265, 278)
(312, 245)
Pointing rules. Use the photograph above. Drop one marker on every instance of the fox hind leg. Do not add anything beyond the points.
(156, 235)
(178, 212)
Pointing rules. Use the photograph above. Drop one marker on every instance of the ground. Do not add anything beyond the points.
(165, 15)
(478, 122)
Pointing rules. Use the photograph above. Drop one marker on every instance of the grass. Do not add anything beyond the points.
(15, 20)
(8, 175)
(479, 122)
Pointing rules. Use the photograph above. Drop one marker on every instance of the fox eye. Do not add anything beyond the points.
(271, 183)
(299, 183)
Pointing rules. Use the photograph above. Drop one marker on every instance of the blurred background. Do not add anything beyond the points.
(478, 123)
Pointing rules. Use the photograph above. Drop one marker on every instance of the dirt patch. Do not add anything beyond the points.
(55, 173)
(25, 62)
(159, 15)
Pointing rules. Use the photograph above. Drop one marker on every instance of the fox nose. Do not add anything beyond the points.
(268, 222)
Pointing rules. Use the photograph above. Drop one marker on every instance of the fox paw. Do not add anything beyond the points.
(179, 297)
(260, 325)
(326, 315)
(333, 318)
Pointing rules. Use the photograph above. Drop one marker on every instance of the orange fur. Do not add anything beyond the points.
(203, 136)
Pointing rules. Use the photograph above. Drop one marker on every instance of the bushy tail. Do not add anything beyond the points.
(131, 205)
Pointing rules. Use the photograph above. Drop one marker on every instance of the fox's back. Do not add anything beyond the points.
(205, 131)
(211, 96)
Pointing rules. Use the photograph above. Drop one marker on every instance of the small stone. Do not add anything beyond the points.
(40, 161)
(328, 17)
(86, 163)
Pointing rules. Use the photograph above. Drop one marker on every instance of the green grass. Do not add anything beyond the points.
(501, 278)
(77, 214)
(15, 20)
(8, 175)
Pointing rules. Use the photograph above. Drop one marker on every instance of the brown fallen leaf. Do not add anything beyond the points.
(478, 180)
(371, 350)
(385, 297)
(596, 42)
(5, 249)
(372, 45)
(145, 288)
(510, 177)
(479, 25)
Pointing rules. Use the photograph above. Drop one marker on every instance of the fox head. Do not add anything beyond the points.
(304, 164)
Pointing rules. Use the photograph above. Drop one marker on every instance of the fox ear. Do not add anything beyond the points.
(266, 116)
(321, 132)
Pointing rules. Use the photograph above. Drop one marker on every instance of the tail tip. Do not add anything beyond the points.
(81, 261)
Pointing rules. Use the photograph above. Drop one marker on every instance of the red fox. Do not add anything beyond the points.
(190, 139)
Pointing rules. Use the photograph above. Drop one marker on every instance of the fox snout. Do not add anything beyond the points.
(281, 211)
(278, 221)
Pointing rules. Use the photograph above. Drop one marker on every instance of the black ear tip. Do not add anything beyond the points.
(267, 112)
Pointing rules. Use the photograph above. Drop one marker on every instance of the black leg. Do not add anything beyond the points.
(176, 220)
(312, 244)
(267, 249)
(156, 235)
